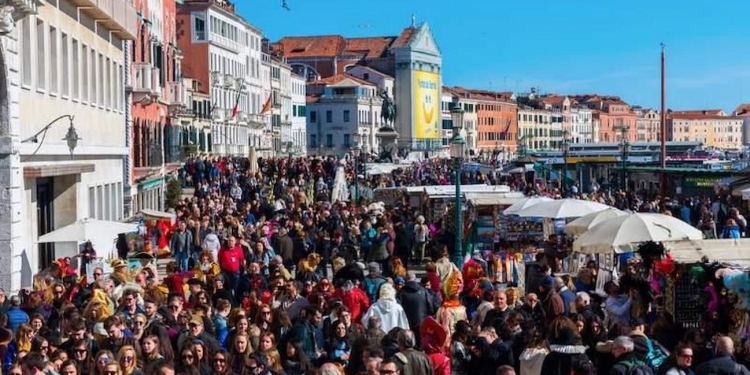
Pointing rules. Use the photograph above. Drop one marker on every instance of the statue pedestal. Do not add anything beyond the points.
(387, 137)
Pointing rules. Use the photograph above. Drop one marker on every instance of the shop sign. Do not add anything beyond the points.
(700, 182)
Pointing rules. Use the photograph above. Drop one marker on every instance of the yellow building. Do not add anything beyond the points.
(713, 130)
(535, 128)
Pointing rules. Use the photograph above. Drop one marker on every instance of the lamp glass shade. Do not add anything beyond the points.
(457, 117)
(356, 138)
(458, 147)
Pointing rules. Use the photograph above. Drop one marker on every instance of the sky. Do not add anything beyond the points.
(564, 47)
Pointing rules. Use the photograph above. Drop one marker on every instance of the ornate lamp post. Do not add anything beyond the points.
(624, 151)
(458, 149)
(356, 151)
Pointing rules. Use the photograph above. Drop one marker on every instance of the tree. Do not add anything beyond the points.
(173, 193)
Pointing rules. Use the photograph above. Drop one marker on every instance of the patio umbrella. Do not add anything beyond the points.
(579, 226)
(621, 233)
(525, 203)
(562, 209)
(101, 233)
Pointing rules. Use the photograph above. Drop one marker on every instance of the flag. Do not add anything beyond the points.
(236, 107)
(267, 105)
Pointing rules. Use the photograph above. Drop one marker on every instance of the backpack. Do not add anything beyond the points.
(635, 366)
(655, 357)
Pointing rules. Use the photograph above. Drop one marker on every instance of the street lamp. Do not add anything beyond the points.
(565, 145)
(624, 151)
(458, 148)
(356, 150)
(71, 136)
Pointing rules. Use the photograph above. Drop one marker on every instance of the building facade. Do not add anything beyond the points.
(581, 125)
(339, 107)
(648, 125)
(223, 55)
(70, 62)
(298, 137)
(612, 114)
(412, 58)
(535, 129)
(155, 93)
(714, 131)
(470, 108)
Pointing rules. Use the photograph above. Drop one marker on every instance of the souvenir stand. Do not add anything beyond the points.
(706, 285)
(411, 196)
(158, 231)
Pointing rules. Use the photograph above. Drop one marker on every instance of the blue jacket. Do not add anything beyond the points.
(16, 317)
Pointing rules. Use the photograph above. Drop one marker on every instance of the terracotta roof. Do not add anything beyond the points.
(310, 46)
(332, 80)
(700, 116)
(698, 112)
(370, 48)
(312, 98)
(742, 109)
(552, 99)
(404, 38)
(481, 94)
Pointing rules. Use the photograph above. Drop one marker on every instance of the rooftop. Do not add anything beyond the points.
(339, 46)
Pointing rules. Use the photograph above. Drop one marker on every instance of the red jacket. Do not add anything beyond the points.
(230, 259)
(355, 300)
(441, 364)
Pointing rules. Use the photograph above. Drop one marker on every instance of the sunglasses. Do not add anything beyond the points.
(45, 347)
(174, 307)
(103, 360)
(219, 360)
(97, 274)
(127, 358)
(81, 351)
(686, 356)
(110, 373)
(187, 356)
(139, 323)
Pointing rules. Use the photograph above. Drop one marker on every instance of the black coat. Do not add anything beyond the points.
(573, 362)
(722, 365)
(417, 303)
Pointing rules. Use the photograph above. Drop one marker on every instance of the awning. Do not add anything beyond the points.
(54, 170)
(727, 251)
(730, 181)
(740, 189)
(494, 199)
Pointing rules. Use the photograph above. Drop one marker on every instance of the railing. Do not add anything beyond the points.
(176, 93)
(217, 79)
(142, 77)
(224, 42)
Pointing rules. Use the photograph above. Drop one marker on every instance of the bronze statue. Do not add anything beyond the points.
(388, 110)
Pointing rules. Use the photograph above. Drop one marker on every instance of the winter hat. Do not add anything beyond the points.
(373, 268)
(548, 282)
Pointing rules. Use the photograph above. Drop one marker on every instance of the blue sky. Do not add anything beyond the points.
(574, 46)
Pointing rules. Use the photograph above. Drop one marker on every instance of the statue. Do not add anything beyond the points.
(7, 19)
(388, 110)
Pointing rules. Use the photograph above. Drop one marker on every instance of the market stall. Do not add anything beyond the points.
(486, 218)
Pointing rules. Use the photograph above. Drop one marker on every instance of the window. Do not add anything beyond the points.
(26, 50)
(76, 68)
(65, 87)
(100, 202)
(313, 140)
(313, 117)
(92, 203)
(199, 27)
(85, 73)
(53, 74)
(347, 143)
(109, 93)
(329, 116)
(41, 64)
(329, 140)
(301, 111)
(103, 85)
(346, 116)
(120, 88)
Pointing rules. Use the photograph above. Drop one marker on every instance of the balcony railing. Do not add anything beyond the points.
(176, 94)
(217, 79)
(224, 42)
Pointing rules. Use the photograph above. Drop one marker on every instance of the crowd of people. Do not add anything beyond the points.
(271, 277)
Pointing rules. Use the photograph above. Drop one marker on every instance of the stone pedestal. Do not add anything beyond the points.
(387, 138)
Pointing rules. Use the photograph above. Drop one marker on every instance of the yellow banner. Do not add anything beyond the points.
(592, 159)
(426, 109)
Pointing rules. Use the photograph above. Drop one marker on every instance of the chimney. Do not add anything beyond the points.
(265, 45)
(705, 112)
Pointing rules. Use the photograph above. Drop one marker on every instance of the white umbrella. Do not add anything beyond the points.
(562, 209)
(625, 231)
(579, 226)
(524, 204)
(88, 229)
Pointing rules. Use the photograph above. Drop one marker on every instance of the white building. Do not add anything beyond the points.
(581, 125)
(276, 79)
(68, 61)
(298, 137)
(339, 107)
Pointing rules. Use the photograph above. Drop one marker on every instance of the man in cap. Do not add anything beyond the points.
(551, 301)
(16, 316)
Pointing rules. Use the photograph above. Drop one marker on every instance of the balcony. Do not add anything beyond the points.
(223, 42)
(176, 96)
(256, 121)
(229, 81)
(145, 86)
(228, 115)
(119, 16)
(217, 79)
(218, 114)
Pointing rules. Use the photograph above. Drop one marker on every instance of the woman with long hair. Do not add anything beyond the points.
(81, 356)
(267, 342)
(112, 368)
(532, 358)
(188, 361)
(296, 361)
(339, 346)
(128, 360)
(220, 363)
(21, 343)
(102, 358)
(204, 361)
(151, 346)
(274, 362)
(241, 350)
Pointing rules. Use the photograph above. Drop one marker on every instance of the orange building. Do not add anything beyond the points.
(497, 118)
(613, 114)
(154, 69)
